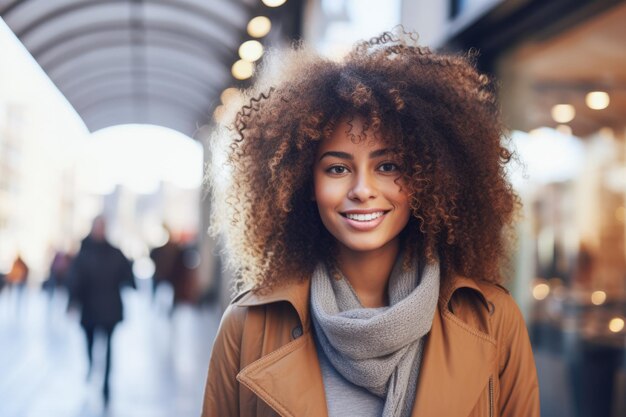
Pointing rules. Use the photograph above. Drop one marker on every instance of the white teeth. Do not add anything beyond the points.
(364, 217)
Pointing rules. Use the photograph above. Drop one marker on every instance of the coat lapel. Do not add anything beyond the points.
(287, 376)
(289, 380)
(457, 363)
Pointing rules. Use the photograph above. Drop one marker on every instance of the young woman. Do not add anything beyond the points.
(368, 216)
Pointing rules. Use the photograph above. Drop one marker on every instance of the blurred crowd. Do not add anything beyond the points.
(90, 282)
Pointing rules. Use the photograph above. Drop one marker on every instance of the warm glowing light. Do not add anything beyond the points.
(251, 51)
(564, 130)
(274, 3)
(228, 95)
(541, 291)
(563, 113)
(598, 297)
(259, 26)
(218, 113)
(616, 324)
(597, 100)
(242, 70)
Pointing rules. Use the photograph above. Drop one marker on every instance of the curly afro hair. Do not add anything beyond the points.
(437, 109)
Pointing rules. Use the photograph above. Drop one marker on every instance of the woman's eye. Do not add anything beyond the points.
(337, 169)
(388, 167)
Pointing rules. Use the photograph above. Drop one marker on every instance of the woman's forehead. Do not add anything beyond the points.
(343, 146)
(353, 131)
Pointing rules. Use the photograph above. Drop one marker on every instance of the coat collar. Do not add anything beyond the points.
(294, 292)
(297, 294)
(457, 359)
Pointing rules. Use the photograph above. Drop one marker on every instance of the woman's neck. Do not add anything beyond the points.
(369, 272)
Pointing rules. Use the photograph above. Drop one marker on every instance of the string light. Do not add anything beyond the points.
(242, 70)
(598, 297)
(229, 95)
(274, 3)
(563, 113)
(616, 324)
(597, 100)
(541, 291)
(251, 51)
(218, 114)
(259, 26)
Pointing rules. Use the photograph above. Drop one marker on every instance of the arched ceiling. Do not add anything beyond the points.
(161, 62)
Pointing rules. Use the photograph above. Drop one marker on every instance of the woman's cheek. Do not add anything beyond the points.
(328, 193)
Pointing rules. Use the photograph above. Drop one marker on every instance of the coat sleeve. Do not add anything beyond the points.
(221, 395)
(519, 389)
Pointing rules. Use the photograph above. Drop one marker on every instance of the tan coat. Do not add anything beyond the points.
(477, 360)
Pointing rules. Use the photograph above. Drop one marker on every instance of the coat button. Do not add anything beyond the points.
(296, 332)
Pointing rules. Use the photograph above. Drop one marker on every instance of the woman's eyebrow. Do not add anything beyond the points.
(380, 152)
(337, 154)
(344, 155)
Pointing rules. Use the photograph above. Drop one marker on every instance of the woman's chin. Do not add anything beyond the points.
(365, 246)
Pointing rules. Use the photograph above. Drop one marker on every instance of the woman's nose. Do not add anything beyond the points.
(363, 188)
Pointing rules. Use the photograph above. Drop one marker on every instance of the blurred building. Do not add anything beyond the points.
(38, 193)
(561, 67)
(168, 64)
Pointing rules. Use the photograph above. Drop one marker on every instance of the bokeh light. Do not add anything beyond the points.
(563, 113)
(597, 100)
(259, 26)
(251, 51)
(616, 324)
(541, 291)
(598, 297)
(229, 94)
(242, 70)
(274, 3)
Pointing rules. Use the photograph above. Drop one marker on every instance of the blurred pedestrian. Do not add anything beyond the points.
(167, 262)
(16, 281)
(185, 282)
(95, 278)
(58, 275)
(176, 264)
(18, 274)
(56, 283)
(368, 216)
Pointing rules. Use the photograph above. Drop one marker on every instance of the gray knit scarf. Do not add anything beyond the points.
(379, 349)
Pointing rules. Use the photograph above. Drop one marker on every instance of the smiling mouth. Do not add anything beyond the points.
(364, 217)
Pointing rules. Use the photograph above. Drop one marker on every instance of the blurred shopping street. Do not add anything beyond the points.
(107, 108)
(158, 365)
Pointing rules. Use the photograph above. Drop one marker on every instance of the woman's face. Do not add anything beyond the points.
(358, 191)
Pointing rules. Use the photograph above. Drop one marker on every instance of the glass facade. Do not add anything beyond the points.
(565, 96)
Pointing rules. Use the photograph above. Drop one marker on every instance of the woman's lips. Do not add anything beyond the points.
(359, 221)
